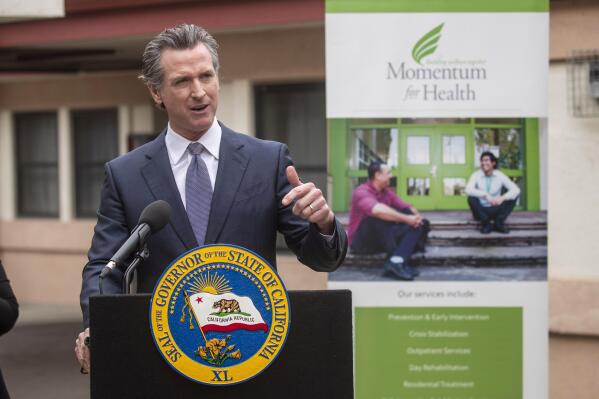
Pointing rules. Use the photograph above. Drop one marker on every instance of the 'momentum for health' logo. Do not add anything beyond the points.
(436, 79)
(219, 315)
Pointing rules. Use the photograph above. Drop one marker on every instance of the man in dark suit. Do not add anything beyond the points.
(250, 186)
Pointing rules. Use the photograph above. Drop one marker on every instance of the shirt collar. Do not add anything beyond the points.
(176, 145)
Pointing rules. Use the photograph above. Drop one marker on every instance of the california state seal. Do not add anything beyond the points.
(219, 315)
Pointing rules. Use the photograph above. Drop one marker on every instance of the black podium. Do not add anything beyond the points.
(316, 362)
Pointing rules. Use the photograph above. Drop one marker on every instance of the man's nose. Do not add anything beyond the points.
(197, 90)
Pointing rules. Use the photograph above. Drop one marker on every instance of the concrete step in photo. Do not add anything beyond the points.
(482, 256)
(473, 238)
(493, 256)
(455, 240)
(473, 224)
(455, 220)
(352, 259)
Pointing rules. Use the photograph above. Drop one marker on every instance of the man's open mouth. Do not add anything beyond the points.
(199, 108)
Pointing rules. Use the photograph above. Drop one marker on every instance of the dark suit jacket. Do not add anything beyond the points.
(9, 311)
(246, 210)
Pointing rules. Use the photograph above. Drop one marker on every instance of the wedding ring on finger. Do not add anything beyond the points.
(312, 208)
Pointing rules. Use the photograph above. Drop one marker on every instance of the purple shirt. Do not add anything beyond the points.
(364, 198)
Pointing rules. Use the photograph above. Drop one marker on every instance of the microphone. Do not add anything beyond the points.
(152, 219)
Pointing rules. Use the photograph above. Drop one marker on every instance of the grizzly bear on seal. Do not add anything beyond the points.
(227, 305)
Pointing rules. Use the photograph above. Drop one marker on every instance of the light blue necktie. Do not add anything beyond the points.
(198, 192)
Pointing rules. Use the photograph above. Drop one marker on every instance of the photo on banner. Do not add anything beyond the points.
(427, 90)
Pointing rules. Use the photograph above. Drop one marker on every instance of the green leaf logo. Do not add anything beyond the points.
(427, 44)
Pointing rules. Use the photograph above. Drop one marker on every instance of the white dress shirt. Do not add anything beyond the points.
(180, 158)
(479, 185)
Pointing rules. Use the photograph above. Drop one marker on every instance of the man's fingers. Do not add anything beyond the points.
(302, 204)
(297, 193)
(310, 204)
(82, 351)
(313, 206)
(292, 176)
(414, 222)
(295, 182)
(321, 215)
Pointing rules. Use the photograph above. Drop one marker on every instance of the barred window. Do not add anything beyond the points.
(37, 163)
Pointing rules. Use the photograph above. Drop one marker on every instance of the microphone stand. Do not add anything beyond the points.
(142, 254)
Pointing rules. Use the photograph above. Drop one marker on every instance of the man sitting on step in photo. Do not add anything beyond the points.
(491, 195)
(380, 221)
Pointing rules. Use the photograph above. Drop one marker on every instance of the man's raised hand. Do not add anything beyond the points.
(310, 204)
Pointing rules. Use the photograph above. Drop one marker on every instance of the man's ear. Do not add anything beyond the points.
(155, 95)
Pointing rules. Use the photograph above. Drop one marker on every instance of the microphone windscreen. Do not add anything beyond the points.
(156, 215)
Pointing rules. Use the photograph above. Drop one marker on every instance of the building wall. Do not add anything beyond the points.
(573, 26)
(573, 194)
(573, 167)
(285, 55)
(44, 256)
(573, 367)
(573, 148)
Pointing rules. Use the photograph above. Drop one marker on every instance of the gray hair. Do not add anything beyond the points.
(181, 37)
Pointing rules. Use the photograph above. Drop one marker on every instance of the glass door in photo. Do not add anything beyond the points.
(434, 166)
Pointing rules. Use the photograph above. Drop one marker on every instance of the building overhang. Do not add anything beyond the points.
(111, 35)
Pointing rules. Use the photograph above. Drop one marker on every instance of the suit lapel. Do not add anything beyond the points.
(233, 159)
(159, 178)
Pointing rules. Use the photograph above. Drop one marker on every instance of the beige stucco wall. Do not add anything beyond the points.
(573, 372)
(235, 107)
(76, 91)
(44, 258)
(573, 25)
(573, 167)
(573, 191)
(288, 54)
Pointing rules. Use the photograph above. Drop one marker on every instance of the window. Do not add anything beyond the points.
(37, 164)
(418, 150)
(454, 186)
(95, 134)
(419, 186)
(505, 143)
(368, 145)
(454, 150)
(295, 115)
